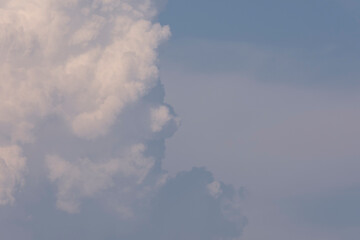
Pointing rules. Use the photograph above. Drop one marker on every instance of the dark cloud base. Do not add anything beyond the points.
(181, 209)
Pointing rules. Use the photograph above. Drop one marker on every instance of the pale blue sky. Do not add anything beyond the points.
(279, 22)
(268, 93)
(320, 38)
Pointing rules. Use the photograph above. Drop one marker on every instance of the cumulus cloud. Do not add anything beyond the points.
(12, 166)
(159, 117)
(186, 209)
(82, 108)
(84, 178)
(83, 61)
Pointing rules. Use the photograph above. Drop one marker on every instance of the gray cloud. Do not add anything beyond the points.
(189, 207)
(182, 209)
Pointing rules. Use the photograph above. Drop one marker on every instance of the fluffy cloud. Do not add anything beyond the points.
(185, 209)
(12, 166)
(82, 108)
(159, 117)
(83, 61)
(84, 178)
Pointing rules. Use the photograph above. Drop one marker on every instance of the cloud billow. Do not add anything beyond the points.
(83, 124)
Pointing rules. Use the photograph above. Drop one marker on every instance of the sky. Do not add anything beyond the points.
(196, 120)
(268, 95)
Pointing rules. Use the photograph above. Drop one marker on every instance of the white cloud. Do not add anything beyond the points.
(84, 61)
(215, 189)
(159, 117)
(12, 166)
(80, 179)
(92, 82)
(83, 178)
(88, 32)
(136, 164)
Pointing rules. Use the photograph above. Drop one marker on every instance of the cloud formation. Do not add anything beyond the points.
(82, 61)
(83, 122)
(12, 166)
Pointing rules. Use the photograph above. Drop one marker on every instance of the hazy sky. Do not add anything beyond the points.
(268, 94)
(179, 120)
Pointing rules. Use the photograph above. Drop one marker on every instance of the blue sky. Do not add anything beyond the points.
(320, 37)
(279, 23)
(268, 96)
